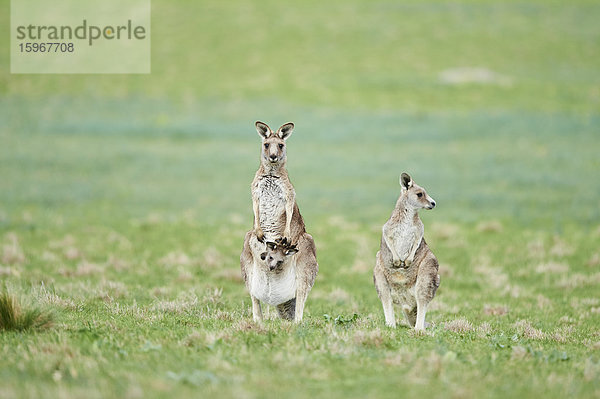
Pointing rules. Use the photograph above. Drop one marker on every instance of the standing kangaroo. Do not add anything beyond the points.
(277, 217)
(406, 271)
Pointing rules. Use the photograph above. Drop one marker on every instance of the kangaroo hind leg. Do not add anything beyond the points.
(287, 309)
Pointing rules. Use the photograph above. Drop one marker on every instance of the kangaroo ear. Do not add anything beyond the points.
(291, 251)
(263, 129)
(272, 246)
(285, 131)
(406, 181)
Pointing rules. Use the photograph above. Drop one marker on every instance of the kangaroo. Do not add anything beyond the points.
(272, 280)
(277, 217)
(406, 271)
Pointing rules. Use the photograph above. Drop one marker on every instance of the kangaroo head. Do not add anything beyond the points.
(273, 144)
(416, 197)
(277, 252)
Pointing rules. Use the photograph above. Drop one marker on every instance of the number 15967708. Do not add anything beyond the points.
(46, 47)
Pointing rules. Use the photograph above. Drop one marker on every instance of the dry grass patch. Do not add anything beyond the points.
(591, 369)
(543, 302)
(223, 315)
(230, 274)
(495, 310)
(110, 290)
(364, 260)
(516, 291)
(492, 276)
(212, 258)
(122, 242)
(525, 329)
(420, 333)
(591, 344)
(558, 337)
(561, 248)
(439, 305)
(140, 313)
(484, 329)
(431, 366)
(342, 223)
(449, 233)
(401, 357)
(446, 271)
(12, 253)
(519, 353)
(373, 338)
(444, 231)
(594, 260)
(566, 320)
(161, 291)
(43, 295)
(176, 258)
(66, 241)
(67, 246)
(184, 276)
(8, 271)
(339, 296)
(552, 267)
(536, 249)
(185, 303)
(491, 226)
(213, 295)
(577, 280)
(589, 301)
(204, 338)
(460, 326)
(49, 257)
(15, 316)
(245, 325)
(117, 264)
(72, 253)
(83, 269)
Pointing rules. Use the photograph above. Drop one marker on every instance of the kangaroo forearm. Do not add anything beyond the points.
(289, 210)
(388, 242)
(256, 217)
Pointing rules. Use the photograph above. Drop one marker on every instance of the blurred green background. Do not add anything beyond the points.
(121, 193)
(493, 106)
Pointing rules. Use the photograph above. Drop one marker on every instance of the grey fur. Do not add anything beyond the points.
(277, 216)
(406, 270)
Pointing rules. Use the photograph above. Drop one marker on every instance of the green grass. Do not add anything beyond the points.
(124, 201)
(14, 317)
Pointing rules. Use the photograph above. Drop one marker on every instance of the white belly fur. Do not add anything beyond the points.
(271, 206)
(273, 288)
(402, 238)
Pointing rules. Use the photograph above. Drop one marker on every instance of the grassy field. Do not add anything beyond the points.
(124, 201)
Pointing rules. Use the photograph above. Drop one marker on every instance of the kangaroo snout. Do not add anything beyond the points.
(273, 158)
(432, 204)
(276, 265)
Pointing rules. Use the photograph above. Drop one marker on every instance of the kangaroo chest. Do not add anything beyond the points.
(402, 286)
(271, 194)
(272, 287)
(403, 235)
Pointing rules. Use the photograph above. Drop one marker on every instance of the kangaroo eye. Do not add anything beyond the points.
(281, 146)
(419, 195)
(266, 145)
